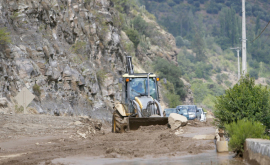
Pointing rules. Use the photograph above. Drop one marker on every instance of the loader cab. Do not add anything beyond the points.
(136, 85)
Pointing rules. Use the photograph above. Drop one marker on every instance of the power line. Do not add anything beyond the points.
(262, 31)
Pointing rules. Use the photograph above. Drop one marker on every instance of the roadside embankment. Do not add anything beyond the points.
(257, 151)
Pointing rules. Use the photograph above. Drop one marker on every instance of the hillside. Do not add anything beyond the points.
(70, 54)
(205, 30)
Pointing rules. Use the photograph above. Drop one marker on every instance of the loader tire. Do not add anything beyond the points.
(119, 124)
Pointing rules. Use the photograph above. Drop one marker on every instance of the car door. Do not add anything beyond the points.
(198, 113)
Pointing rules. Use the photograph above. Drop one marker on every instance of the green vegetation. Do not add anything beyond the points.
(198, 47)
(123, 6)
(170, 96)
(19, 109)
(14, 15)
(206, 37)
(36, 90)
(4, 36)
(78, 46)
(206, 92)
(223, 30)
(133, 35)
(101, 76)
(241, 130)
(143, 34)
(172, 73)
(244, 100)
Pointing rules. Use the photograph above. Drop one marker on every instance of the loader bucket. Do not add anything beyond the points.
(134, 123)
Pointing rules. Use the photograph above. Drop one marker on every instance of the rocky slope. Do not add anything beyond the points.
(68, 53)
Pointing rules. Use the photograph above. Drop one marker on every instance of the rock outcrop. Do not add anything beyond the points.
(70, 49)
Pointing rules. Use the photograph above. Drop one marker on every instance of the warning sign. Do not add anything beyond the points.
(24, 98)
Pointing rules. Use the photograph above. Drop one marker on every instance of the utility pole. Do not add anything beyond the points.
(238, 49)
(244, 40)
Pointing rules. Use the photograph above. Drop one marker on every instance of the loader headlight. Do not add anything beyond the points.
(127, 79)
(157, 78)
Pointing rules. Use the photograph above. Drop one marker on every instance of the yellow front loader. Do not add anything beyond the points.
(140, 102)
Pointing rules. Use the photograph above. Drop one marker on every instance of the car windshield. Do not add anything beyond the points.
(170, 110)
(183, 111)
(139, 87)
(189, 108)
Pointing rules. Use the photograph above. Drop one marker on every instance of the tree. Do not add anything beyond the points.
(140, 25)
(244, 100)
(198, 47)
(172, 73)
(258, 25)
(133, 35)
(215, 30)
(179, 41)
(122, 6)
(229, 28)
(178, 1)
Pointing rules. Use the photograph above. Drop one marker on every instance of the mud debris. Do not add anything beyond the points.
(57, 138)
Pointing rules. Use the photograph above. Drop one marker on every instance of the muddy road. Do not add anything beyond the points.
(39, 139)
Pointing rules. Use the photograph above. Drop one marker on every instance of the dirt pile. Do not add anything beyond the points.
(87, 127)
(197, 123)
(34, 139)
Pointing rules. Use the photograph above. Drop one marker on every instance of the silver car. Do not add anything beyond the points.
(191, 109)
(199, 113)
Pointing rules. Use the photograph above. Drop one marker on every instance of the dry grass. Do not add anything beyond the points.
(32, 110)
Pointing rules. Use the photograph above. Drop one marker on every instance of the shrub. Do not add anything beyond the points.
(197, 4)
(199, 90)
(4, 36)
(208, 101)
(170, 95)
(228, 83)
(218, 69)
(122, 6)
(101, 75)
(190, 1)
(78, 46)
(219, 79)
(171, 3)
(140, 25)
(36, 90)
(224, 76)
(179, 41)
(173, 99)
(244, 100)
(19, 109)
(254, 73)
(133, 35)
(171, 73)
(241, 130)
(178, 1)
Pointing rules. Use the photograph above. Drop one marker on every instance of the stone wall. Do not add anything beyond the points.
(257, 151)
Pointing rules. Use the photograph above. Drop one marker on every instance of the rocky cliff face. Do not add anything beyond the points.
(70, 49)
(67, 52)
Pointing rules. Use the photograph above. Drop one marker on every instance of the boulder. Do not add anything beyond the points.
(176, 120)
(3, 102)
